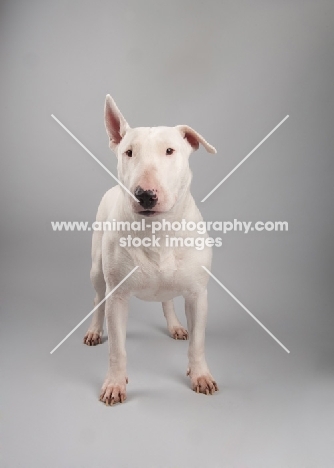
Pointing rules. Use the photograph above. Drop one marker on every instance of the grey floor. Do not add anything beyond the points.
(231, 70)
(272, 410)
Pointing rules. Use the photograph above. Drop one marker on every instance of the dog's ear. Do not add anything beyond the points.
(194, 138)
(115, 123)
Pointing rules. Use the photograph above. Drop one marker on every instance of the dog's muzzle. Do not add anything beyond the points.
(147, 198)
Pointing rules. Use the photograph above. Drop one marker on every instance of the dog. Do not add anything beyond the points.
(153, 164)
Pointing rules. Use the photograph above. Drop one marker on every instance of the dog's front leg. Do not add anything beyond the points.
(196, 306)
(114, 387)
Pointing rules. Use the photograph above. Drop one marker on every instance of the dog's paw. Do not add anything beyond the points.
(203, 383)
(113, 391)
(92, 338)
(179, 333)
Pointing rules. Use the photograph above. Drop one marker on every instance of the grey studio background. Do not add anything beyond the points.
(232, 70)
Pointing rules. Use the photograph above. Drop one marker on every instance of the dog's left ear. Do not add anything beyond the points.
(194, 138)
(115, 123)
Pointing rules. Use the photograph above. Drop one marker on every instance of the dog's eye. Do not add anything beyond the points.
(169, 151)
(129, 153)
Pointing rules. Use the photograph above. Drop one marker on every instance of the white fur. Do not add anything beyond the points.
(163, 272)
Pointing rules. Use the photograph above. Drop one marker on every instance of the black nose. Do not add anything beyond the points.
(147, 198)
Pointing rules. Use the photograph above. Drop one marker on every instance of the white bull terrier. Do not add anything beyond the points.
(153, 165)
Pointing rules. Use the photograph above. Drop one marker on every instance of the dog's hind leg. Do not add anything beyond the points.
(95, 330)
(176, 330)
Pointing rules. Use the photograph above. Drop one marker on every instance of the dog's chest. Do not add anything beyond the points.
(158, 274)
(160, 264)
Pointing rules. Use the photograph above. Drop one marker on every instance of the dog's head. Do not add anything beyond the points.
(152, 161)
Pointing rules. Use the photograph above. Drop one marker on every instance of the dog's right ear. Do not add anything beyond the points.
(115, 123)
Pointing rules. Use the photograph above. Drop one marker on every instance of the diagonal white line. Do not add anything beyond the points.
(98, 305)
(248, 311)
(94, 157)
(243, 160)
